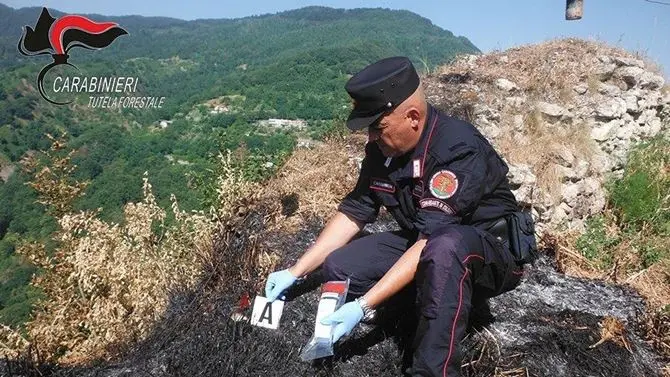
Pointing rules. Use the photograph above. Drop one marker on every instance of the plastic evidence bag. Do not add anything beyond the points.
(333, 295)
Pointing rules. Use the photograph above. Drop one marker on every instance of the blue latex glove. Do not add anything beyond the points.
(277, 283)
(344, 319)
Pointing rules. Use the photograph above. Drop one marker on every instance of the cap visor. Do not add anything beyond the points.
(356, 122)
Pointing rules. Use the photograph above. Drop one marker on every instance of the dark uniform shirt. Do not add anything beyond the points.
(453, 176)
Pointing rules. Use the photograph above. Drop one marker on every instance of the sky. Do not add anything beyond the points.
(639, 26)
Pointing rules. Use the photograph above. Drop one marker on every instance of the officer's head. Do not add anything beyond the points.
(389, 102)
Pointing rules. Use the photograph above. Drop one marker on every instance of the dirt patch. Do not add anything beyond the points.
(6, 171)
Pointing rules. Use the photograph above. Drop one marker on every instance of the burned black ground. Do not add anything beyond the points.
(542, 328)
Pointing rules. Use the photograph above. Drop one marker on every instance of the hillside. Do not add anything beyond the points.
(592, 307)
(260, 40)
(266, 58)
(221, 79)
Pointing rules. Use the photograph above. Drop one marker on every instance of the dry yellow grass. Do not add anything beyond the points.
(540, 70)
(652, 283)
(612, 329)
(107, 284)
(319, 178)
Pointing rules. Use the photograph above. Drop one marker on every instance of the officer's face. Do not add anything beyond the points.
(393, 133)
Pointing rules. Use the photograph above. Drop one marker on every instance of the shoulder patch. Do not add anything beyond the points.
(443, 184)
(435, 203)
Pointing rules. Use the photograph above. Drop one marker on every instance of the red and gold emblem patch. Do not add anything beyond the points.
(443, 184)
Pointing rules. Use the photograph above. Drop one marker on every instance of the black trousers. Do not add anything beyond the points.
(459, 264)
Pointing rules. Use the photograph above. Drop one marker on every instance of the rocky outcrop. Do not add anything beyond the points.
(582, 114)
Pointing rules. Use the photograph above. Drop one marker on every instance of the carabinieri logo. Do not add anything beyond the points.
(58, 36)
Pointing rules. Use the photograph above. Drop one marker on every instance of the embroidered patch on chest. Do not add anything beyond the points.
(382, 185)
(443, 184)
(435, 203)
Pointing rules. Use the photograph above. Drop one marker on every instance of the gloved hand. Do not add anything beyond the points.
(345, 319)
(277, 283)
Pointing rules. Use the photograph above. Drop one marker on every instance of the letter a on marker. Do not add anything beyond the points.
(267, 313)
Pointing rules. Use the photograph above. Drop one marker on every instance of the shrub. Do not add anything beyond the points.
(641, 197)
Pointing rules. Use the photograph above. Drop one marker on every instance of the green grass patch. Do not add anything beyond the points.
(595, 243)
(639, 215)
(641, 198)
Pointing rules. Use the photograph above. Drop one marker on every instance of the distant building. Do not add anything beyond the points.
(164, 123)
(283, 123)
(307, 143)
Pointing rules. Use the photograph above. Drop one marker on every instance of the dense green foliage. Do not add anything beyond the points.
(642, 196)
(288, 65)
(291, 64)
(640, 218)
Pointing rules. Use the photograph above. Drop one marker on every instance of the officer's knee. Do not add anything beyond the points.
(442, 246)
(331, 268)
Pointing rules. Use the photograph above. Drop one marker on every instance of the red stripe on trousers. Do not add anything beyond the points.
(458, 312)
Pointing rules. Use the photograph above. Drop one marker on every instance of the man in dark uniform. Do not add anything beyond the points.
(447, 188)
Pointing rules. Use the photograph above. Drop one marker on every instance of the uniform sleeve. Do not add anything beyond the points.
(453, 191)
(359, 204)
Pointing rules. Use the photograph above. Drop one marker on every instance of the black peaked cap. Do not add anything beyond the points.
(379, 88)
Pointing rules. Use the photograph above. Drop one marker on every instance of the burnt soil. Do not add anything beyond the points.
(545, 327)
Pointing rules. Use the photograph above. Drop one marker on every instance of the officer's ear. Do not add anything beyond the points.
(414, 116)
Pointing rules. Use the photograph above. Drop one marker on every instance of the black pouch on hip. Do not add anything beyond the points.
(522, 242)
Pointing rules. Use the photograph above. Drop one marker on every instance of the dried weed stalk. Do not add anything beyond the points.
(106, 284)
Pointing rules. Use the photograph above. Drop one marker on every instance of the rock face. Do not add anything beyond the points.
(604, 95)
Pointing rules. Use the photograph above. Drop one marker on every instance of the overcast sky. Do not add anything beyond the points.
(636, 25)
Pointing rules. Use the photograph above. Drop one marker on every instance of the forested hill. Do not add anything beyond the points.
(264, 39)
(290, 65)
